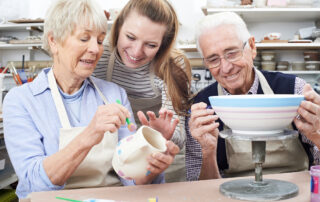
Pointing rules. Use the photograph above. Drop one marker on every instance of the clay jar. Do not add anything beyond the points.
(130, 158)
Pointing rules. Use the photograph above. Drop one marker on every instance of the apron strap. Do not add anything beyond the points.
(99, 91)
(111, 65)
(264, 83)
(58, 100)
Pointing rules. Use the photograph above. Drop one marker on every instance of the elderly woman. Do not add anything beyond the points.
(66, 123)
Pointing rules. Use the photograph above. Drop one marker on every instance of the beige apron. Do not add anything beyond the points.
(96, 169)
(281, 155)
(176, 171)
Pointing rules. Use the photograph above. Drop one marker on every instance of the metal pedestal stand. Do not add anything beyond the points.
(259, 189)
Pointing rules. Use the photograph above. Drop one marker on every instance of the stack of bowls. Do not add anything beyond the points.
(282, 65)
(268, 60)
(298, 66)
(257, 61)
(311, 59)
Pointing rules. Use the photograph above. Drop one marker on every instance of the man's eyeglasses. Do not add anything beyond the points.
(231, 56)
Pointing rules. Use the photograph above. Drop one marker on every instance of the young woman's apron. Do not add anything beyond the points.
(281, 155)
(176, 171)
(96, 169)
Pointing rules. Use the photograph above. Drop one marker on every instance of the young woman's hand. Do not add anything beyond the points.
(164, 123)
(159, 162)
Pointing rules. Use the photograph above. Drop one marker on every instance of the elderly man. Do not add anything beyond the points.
(228, 50)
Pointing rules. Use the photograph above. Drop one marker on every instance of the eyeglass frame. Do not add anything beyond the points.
(205, 60)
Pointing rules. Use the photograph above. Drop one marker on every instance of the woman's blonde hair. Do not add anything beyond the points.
(167, 61)
(64, 15)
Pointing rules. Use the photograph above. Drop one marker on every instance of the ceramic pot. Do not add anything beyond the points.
(130, 158)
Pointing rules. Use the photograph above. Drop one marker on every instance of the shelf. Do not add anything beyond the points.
(27, 26)
(270, 14)
(288, 45)
(188, 48)
(22, 26)
(21, 46)
(283, 46)
(301, 72)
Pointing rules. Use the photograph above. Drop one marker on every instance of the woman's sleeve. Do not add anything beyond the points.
(24, 144)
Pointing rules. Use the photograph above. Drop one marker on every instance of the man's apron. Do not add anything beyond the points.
(281, 155)
(96, 169)
(176, 171)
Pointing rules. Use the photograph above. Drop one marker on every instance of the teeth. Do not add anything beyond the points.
(132, 58)
(87, 61)
(232, 76)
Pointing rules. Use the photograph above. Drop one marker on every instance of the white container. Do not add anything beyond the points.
(300, 3)
(260, 3)
(312, 65)
(130, 158)
(268, 65)
(268, 55)
(298, 66)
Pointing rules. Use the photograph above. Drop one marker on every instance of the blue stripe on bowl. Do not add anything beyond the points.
(256, 100)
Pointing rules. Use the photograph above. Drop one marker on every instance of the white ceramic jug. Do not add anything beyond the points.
(130, 158)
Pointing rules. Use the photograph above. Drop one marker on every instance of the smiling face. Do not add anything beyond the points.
(79, 53)
(139, 40)
(236, 77)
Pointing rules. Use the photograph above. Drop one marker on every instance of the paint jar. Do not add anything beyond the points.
(315, 179)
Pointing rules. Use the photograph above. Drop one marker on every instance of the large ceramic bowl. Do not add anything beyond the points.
(256, 114)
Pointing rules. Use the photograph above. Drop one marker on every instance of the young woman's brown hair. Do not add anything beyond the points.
(171, 65)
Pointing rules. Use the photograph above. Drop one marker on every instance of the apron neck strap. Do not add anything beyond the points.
(58, 100)
(264, 84)
(99, 91)
(111, 65)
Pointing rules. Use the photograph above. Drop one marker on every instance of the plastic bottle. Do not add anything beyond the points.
(315, 179)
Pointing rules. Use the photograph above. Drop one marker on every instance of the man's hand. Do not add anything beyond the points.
(308, 121)
(204, 128)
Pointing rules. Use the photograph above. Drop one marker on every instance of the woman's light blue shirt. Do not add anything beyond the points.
(31, 128)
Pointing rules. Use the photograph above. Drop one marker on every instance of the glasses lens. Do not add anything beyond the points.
(233, 55)
(213, 62)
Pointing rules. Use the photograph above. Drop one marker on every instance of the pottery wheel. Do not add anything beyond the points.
(258, 189)
(269, 189)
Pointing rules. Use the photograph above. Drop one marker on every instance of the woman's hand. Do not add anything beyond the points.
(308, 122)
(163, 123)
(159, 162)
(108, 117)
(203, 127)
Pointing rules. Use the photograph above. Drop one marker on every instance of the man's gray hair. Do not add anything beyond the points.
(64, 15)
(223, 18)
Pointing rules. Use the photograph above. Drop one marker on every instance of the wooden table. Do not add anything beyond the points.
(202, 191)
